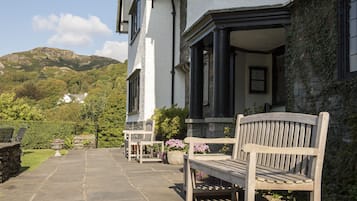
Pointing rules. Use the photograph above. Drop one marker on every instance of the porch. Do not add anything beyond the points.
(236, 66)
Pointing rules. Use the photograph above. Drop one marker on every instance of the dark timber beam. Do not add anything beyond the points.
(221, 71)
(196, 86)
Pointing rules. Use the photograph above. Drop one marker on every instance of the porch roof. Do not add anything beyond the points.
(239, 18)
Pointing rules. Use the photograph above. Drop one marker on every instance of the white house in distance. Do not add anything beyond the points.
(154, 78)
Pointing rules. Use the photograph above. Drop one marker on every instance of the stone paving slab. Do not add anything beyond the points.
(95, 175)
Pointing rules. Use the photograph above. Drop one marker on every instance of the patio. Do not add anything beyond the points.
(95, 175)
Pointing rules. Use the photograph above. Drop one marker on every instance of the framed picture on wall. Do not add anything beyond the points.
(257, 79)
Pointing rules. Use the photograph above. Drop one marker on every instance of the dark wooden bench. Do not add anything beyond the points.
(271, 151)
(6, 134)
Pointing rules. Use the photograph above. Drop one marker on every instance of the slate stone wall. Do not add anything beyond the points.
(313, 86)
(10, 161)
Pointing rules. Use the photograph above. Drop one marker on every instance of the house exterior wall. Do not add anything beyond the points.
(151, 51)
(197, 8)
(313, 86)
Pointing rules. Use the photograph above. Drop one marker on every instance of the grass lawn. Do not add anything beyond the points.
(32, 158)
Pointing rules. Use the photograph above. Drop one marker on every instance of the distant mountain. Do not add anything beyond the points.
(39, 58)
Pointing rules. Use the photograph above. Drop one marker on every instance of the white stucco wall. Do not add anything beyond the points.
(243, 98)
(264, 60)
(179, 75)
(197, 8)
(152, 52)
(161, 30)
(136, 60)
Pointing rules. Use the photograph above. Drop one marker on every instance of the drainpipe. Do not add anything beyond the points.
(173, 53)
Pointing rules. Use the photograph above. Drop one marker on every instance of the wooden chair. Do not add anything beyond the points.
(20, 135)
(133, 137)
(271, 151)
(6, 134)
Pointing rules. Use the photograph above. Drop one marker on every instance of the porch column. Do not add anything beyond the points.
(222, 106)
(196, 82)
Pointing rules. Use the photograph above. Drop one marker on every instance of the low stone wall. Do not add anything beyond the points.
(84, 141)
(10, 160)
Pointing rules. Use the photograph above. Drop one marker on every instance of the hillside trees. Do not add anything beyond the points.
(16, 109)
(35, 95)
(105, 105)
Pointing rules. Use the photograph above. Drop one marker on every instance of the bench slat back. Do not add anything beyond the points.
(279, 130)
(138, 135)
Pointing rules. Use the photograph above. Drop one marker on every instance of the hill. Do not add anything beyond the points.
(38, 58)
(33, 73)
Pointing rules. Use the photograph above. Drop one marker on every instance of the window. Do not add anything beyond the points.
(134, 92)
(257, 79)
(135, 13)
(347, 52)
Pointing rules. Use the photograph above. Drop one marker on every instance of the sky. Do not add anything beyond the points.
(87, 27)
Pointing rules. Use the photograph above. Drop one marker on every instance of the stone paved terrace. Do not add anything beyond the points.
(95, 175)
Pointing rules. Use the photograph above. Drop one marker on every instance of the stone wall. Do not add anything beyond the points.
(313, 86)
(10, 160)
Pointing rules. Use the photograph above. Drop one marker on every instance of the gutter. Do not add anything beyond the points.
(173, 53)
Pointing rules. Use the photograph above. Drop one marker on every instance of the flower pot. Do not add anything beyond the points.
(175, 157)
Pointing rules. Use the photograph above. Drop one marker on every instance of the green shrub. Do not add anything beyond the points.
(68, 142)
(40, 134)
(170, 122)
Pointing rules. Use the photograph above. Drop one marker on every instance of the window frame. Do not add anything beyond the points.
(343, 51)
(135, 16)
(134, 92)
(253, 80)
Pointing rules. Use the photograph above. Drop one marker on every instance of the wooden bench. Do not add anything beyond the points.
(271, 151)
(6, 134)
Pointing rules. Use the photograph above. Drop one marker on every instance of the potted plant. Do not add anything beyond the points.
(175, 151)
(200, 148)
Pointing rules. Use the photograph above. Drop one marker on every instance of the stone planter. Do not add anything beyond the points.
(175, 157)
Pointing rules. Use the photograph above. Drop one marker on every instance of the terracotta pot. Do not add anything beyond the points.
(175, 157)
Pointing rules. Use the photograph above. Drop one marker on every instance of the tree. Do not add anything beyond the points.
(111, 121)
(16, 109)
(30, 90)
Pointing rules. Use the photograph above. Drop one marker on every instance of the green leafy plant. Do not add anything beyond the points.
(170, 122)
(68, 142)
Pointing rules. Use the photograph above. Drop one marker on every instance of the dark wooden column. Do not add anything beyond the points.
(196, 82)
(221, 74)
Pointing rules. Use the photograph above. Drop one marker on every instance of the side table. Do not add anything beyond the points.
(140, 157)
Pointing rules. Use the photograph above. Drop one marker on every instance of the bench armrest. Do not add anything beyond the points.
(196, 140)
(280, 150)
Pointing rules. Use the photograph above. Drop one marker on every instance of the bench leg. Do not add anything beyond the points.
(189, 187)
(141, 153)
(249, 194)
(315, 195)
(129, 152)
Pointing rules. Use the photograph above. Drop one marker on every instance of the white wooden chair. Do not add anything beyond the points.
(132, 138)
(136, 140)
(271, 151)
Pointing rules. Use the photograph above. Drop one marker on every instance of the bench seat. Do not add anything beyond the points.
(234, 171)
